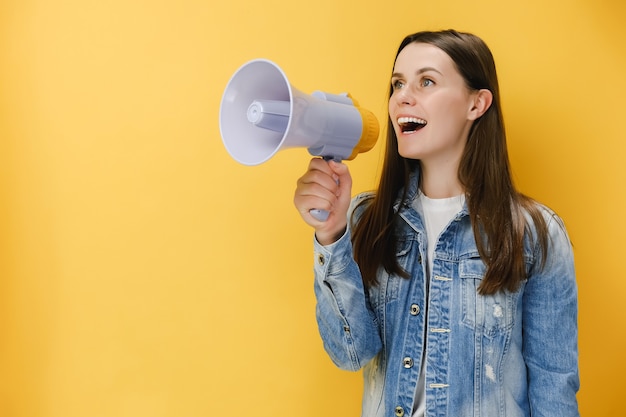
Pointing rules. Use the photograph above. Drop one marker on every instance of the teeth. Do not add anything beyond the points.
(405, 120)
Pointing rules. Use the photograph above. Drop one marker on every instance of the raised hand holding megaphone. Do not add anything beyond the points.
(261, 113)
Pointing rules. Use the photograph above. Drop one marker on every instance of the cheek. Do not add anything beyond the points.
(392, 112)
(393, 109)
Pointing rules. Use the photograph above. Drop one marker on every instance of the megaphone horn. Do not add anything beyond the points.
(261, 113)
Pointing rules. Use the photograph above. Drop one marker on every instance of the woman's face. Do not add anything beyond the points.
(430, 107)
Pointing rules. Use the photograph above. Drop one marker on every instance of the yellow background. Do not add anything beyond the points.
(143, 272)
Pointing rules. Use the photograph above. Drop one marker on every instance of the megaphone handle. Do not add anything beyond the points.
(322, 215)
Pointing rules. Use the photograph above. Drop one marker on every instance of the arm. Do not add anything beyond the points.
(550, 329)
(345, 319)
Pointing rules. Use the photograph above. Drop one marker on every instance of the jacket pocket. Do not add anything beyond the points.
(491, 315)
(407, 254)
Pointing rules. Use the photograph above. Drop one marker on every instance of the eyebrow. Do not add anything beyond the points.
(419, 71)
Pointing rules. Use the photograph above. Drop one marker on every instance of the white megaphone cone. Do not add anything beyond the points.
(261, 113)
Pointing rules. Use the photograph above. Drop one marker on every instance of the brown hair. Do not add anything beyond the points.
(495, 207)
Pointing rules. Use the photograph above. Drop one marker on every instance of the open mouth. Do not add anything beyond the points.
(410, 124)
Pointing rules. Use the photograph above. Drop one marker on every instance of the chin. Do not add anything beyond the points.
(408, 153)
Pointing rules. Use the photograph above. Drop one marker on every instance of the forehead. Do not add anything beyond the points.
(420, 55)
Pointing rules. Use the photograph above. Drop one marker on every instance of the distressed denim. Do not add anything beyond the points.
(510, 354)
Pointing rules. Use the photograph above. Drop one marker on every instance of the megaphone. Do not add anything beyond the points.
(262, 113)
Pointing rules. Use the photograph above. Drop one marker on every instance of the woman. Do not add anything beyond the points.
(453, 292)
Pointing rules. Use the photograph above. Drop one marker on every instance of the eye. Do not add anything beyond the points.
(427, 82)
(397, 84)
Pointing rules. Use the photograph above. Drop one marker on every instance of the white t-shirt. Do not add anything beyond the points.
(438, 213)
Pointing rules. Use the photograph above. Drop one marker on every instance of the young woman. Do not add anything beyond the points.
(453, 292)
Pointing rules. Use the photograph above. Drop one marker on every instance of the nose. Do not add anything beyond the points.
(405, 97)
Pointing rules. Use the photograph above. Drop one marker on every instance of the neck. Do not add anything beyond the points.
(440, 180)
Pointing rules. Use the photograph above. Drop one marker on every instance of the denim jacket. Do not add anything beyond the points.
(509, 354)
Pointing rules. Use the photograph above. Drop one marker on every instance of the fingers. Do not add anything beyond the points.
(320, 171)
(324, 186)
(318, 187)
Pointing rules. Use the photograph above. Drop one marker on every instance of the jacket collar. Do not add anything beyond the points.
(413, 192)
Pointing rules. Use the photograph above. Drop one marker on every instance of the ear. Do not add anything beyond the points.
(481, 102)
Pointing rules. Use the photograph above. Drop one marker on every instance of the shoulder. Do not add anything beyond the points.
(359, 204)
(540, 216)
(546, 229)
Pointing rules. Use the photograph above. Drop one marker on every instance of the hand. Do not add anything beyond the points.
(325, 186)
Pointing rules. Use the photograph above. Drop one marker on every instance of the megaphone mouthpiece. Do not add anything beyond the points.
(370, 133)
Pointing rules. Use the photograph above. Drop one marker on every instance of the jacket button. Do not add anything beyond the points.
(399, 411)
(408, 362)
(415, 309)
(321, 260)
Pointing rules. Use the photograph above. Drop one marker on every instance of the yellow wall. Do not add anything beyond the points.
(145, 273)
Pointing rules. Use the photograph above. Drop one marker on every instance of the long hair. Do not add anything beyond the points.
(496, 208)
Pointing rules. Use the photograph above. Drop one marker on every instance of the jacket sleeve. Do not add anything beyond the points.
(346, 322)
(551, 330)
